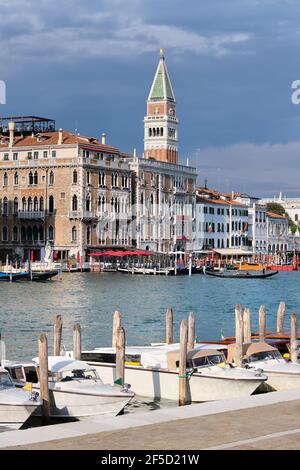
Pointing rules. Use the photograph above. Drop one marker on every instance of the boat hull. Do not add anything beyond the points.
(242, 276)
(277, 381)
(66, 404)
(14, 416)
(159, 383)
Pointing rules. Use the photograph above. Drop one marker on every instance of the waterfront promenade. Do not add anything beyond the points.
(268, 421)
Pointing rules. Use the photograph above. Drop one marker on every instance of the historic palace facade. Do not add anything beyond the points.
(70, 190)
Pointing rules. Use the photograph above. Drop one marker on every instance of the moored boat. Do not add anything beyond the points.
(153, 372)
(282, 375)
(241, 274)
(14, 276)
(75, 389)
(16, 405)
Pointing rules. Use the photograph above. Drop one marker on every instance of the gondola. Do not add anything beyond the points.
(10, 277)
(241, 275)
(42, 276)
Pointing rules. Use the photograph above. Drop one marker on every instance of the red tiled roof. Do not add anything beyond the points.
(51, 138)
(225, 202)
(276, 216)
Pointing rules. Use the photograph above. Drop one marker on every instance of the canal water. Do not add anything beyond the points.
(28, 309)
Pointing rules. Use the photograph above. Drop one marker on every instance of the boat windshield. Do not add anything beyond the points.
(80, 374)
(208, 361)
(5, 381)
(264, 356)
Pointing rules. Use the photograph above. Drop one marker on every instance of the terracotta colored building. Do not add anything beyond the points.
(56, 186)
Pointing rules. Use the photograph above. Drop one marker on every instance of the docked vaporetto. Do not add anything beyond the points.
(152, 371)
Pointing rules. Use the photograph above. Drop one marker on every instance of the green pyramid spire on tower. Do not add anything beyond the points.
(161, 87)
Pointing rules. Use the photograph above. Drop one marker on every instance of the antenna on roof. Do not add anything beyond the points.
(205, 183)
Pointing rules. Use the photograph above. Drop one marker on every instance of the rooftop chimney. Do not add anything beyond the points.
(60, 136)
(11, 128)
(103, 138)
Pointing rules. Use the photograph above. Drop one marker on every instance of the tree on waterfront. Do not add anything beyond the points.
(279, 209)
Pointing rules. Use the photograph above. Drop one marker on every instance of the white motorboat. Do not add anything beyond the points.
(152, 372)
(75, 389)
(282, 375)
(16, 405)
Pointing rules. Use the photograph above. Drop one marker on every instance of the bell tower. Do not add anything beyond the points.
(161, 123)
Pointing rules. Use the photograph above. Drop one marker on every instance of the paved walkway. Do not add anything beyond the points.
(261, 422)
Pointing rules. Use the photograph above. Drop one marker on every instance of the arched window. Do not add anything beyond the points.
(74, 203)
(88, 235)
(30, 205)
(41, 203)
(5, 179)
(23, 233)
(50, 233)
(74, 234)
(41, 233)
(15, 234)
(16, 205)
(35, 233)
(30, 178)
(51, 204)
(75, 177)
(16, 179)
(35, 178)
(24, 204)
(5, 206)
(35, 204)
(4, 234)
(29, 234)
(51, 177)
(88, 204)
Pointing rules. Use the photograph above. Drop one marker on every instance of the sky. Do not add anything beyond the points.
(90, 65)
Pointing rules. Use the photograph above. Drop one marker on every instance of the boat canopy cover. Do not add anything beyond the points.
(173, 356)
(261, 346)
(63, 364)
(249, 349)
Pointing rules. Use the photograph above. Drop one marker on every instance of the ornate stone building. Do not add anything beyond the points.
(56, 186)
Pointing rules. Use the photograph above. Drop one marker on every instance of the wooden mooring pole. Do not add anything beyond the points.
(280, 317)
(191, 331)
(116, 325)
(293, 339)
(77, 342)
(43, 376)
(120, 356)
(57, 335)
(182, 362)
(169, 326)
(238, 357)
(247, 325)
(262, 323)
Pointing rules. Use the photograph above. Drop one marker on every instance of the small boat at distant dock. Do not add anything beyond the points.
(241, 274)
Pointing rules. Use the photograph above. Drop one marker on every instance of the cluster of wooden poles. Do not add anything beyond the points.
(243, 330)
(187, 341)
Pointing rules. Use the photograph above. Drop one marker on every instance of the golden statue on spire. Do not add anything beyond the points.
(162, 53)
